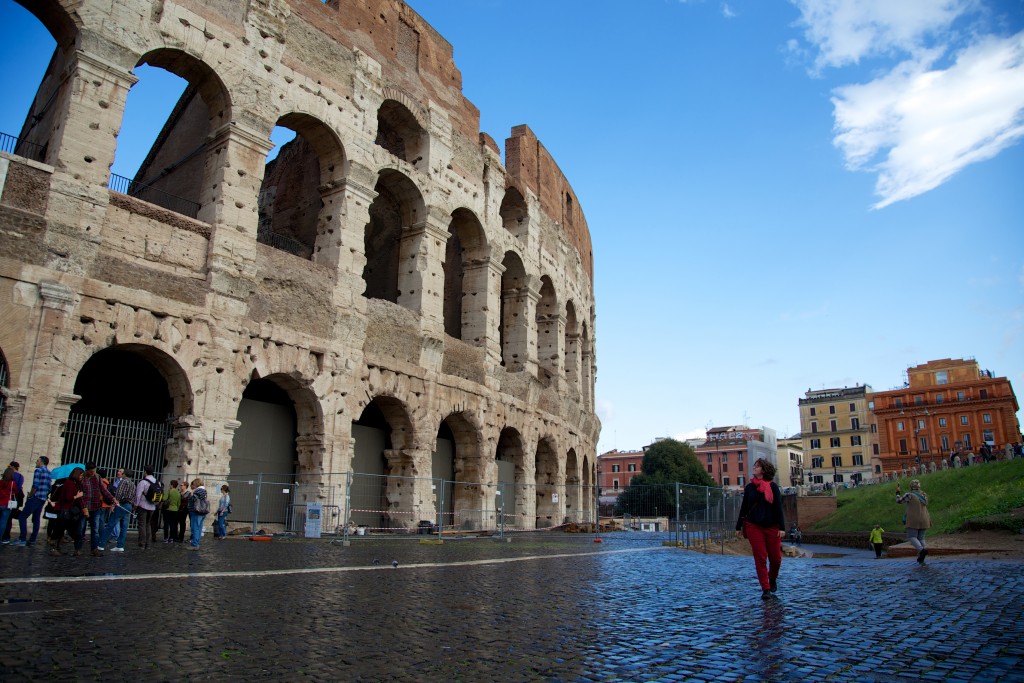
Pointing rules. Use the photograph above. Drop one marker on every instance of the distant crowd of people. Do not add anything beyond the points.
(85, 499)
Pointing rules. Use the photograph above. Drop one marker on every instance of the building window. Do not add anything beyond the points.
(816, 479)
(924, 444)
(631, 467)
(854, 423)
(874, 429)
(831, 410)
(855, 440)
(903, 446)
(920, 424)
(899, 426)
(858, 459)
(615, 468)
(942, 422)
(818, 462)
(989, 437)
(813, 411)
(725, 481)
(983, 393)
(832, 424)
(709, 469)
(725, 467)
(874, 448)
(834, 442)
(963, 420)
(709, 460)
(814, 428)
(740, 481)
(853, 407)
(966, 439)
(961, 396)
(899, 403)
(837, 478)
(919, 400)
(871, 405)
(987, 418)
(942, 377)
(837, 461)
(945, 443)
(939, 398)
(815, 443)
(615, 484)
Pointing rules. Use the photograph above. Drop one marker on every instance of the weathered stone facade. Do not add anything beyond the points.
(428, 280)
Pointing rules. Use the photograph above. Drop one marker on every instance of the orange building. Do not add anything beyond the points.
(945, 406)
(615, 470)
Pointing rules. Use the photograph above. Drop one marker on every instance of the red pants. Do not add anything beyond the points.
(767, 547)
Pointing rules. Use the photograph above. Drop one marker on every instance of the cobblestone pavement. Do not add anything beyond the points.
(558, 608)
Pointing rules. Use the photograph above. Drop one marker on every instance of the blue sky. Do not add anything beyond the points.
(782, 195)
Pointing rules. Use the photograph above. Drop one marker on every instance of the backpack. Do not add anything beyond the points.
(155, 492)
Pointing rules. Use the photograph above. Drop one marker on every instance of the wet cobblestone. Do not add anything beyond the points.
(577, 612)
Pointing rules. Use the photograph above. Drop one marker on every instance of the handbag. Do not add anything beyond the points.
(70, 515)
(12, 504)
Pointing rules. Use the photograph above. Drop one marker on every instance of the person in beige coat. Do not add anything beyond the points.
(917, 519)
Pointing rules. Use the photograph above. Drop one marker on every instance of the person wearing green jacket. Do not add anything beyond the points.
(875, 539)
(170, 511)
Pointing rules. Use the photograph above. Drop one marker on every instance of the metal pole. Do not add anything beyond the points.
(440, 510)
(678, 491)
(347, 517)
(501, 522)
(256, 509)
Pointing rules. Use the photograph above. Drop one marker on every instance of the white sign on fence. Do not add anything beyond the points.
(313, 519)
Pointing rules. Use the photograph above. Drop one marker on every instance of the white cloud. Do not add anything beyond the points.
(605, 410)
(918, 126)
(727, 11)
(846, 31)
(695, 433)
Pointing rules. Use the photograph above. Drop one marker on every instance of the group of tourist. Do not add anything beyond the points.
(87, 499)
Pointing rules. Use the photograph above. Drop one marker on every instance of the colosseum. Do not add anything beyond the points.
(385, 319)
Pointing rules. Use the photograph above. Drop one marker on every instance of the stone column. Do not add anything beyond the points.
(183, 450)
(421, 268)
(408, 496)
(349, 217)
(481, 305)
(551, 348)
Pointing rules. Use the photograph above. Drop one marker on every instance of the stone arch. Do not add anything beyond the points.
(550, 502)
(573, 494)
(400, 132)
(514, 214)
(299, 199)
(180, 169)
(397, 207)
(383, 491)
(513, 324)
(511, 499)
(462, 494)
(587, 484)
(466, 246)
(573, 355)
(548, 333)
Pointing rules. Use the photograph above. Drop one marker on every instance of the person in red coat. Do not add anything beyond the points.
(763, 523)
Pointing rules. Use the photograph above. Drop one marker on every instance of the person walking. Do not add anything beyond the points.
(41, 483)
(762, 522)
(171, 512)
(70, 509)
(8, 502)
(19, 500)
(875, 539)
(198, 508)
(220, 531)
(117, 523)
(917, 518)
(183, 512)
(145, 508)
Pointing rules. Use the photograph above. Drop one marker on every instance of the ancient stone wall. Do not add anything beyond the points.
(215, 303)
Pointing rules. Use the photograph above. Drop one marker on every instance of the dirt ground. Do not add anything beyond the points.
(994, 544)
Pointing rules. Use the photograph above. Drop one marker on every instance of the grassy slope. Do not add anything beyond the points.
(954, 497)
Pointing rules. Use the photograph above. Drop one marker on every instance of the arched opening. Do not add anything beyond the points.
(129, 396)
(588, 493)
(572, 348)
(514, 216)
(380, 493)
(466, 511)
(164, 144)
(296, 209)
(547, 331)
(400, 133)
(573, 510)
(465, 243)
(38, 41)
(510, 494)
(549, 495)
(513, 330)
(397, 206)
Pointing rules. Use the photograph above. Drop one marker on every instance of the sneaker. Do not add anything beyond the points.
(766, 595)
(773, 585)
(5, 542)
(19, 543)
(117, 550)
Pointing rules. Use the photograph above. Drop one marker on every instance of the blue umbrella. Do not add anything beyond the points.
(64, 471)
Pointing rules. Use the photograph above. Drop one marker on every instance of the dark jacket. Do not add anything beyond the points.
(756, 510)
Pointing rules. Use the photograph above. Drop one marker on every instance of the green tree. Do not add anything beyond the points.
(653, 492)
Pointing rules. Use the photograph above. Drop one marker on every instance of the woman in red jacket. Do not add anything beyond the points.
(8, 491)
(70, 509)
